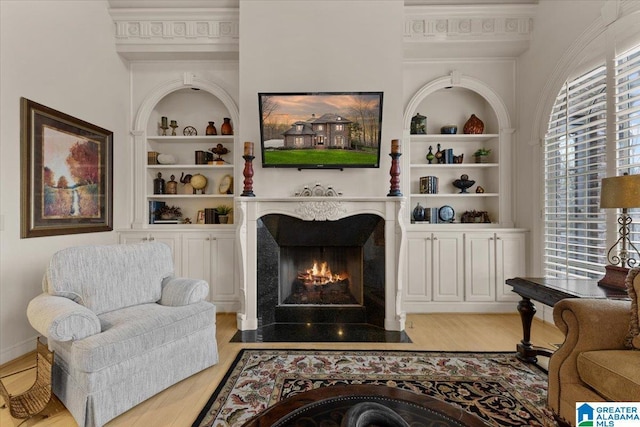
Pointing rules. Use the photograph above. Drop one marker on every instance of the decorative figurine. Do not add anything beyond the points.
(463, 183)
(430, 155)
(172, 186)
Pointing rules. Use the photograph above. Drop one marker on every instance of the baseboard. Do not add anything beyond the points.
(460, 307)
(17, 350)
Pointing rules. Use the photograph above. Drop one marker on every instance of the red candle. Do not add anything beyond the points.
(248, 148)
(395, 145)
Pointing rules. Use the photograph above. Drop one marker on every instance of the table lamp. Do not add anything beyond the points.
(620, 192)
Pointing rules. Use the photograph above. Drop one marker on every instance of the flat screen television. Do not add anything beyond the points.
(320, 130)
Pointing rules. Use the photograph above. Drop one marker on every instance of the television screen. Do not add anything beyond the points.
(323, 130)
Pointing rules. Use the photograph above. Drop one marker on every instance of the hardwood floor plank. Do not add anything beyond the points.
(179, 405)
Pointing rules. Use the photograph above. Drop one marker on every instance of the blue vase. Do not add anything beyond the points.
(418, 213)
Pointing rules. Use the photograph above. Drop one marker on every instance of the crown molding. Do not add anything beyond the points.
(151, 33)
(495, 30)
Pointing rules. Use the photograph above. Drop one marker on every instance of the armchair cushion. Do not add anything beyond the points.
(633, 288)
(61, 319)
(613, 373)
(132, 331)
(177, 291)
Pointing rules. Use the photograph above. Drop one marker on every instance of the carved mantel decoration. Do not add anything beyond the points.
(321, 210)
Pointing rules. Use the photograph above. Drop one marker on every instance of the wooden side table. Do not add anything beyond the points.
(549, 292)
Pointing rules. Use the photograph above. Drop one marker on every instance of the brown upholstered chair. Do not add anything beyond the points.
(597, 361)
(33, 401)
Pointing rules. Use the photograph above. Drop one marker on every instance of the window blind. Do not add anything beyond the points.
(575, 163)
(627, 121)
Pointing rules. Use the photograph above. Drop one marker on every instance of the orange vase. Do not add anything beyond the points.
(226, 128)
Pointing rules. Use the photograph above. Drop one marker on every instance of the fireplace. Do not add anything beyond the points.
(321, 271)
(285, 243)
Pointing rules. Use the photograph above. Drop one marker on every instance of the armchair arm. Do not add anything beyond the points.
(61, 319)
(588, 324)
(177, 291)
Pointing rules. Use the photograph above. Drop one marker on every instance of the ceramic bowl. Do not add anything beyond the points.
(449, 129)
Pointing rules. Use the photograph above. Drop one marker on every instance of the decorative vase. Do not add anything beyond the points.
(211, 129)
(430, 156)
(418, 213)
(226, 128)
(473, 126)
(418, 125)
(224, 219)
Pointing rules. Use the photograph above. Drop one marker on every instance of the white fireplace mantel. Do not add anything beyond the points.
(250, 209)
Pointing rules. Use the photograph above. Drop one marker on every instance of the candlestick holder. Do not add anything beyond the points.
(173, 125)
(248, 176)
(164, 129)
(394, 191)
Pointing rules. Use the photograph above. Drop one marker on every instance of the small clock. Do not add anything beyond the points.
(446, 213)
(226, 185)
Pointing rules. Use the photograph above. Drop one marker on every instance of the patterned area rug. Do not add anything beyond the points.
(497, 387)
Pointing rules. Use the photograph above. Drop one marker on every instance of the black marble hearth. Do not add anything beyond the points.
(321, 332)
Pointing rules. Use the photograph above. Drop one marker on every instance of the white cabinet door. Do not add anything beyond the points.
(419, 279)
(223, 277)
(447, 266)
(510, 262)
(196, 257)
(171, 239)
(480, 267)
(435, 268)
(211, 257)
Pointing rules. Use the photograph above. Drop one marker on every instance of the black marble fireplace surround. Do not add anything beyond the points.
(355, 239)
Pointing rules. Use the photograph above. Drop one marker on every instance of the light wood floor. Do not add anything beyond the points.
(179, 405)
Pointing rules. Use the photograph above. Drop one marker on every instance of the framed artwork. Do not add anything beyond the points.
(66, 173)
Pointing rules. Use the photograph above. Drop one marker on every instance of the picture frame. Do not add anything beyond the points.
(200, 217)
(66, 169)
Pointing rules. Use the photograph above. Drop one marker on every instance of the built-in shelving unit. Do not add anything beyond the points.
(193, 104)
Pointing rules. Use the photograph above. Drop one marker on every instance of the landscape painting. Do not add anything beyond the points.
(66, 174)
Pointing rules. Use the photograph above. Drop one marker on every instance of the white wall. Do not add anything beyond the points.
(60, 54)
(315, 45)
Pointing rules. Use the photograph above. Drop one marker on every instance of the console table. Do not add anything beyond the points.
(549, 292)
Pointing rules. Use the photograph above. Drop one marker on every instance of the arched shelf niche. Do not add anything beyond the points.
(189, 81)
(457, 80)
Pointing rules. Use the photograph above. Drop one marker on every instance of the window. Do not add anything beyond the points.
(577, 158)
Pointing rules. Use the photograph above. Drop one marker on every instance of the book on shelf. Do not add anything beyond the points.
(154, 205)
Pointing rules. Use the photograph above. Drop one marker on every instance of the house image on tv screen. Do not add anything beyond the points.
(328, 131)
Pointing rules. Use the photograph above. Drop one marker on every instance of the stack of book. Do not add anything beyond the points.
(429, 185)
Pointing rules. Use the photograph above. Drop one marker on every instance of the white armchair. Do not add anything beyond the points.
(122, 326)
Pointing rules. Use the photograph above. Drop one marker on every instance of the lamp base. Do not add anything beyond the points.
(614, 277)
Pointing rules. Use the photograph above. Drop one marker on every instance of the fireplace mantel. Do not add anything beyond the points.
(390, 209)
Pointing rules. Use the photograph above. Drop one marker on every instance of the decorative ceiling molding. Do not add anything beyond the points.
(162, 31)
(488, 22)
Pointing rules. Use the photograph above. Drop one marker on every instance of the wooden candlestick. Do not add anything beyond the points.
(395, 173)
(248, 175)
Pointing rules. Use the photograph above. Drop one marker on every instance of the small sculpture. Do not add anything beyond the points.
(219, 150)
(463, 183)
(479, 189)
(430, 155)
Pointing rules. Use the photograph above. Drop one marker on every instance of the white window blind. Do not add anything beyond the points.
(575, 163)
(628, 124)
(576, 160)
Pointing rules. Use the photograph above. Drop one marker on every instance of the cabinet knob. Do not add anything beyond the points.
(144, 239)
(498, 238)
(208, 238)
(435, 238)
(151, 239)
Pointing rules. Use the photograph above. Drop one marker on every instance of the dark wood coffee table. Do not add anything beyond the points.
(549, 292)
(327, 404)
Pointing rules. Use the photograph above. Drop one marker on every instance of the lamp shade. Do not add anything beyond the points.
(620, 192)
